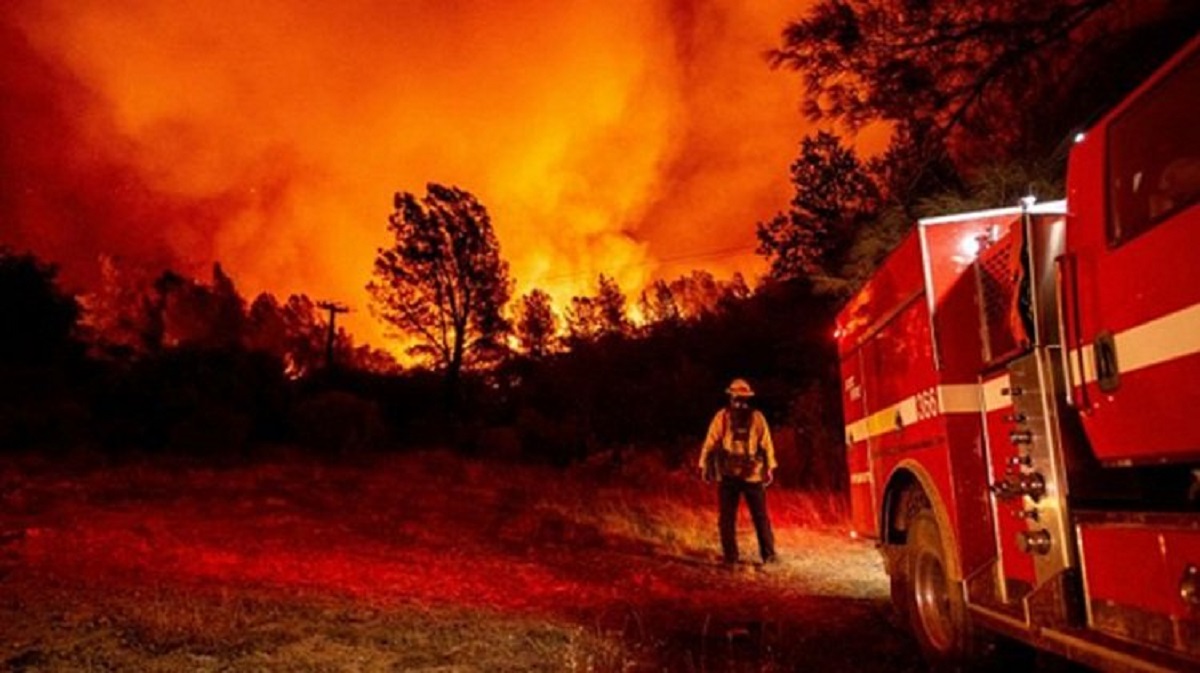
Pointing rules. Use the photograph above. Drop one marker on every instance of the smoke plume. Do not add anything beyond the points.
(639, 139)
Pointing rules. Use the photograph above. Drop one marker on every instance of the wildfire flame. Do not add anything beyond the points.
(638, 139)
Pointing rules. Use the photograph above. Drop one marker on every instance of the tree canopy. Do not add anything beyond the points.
(834, 198)
(40, 321)
(536, 324)
(983, 79)
(658, 305)
(443, 282)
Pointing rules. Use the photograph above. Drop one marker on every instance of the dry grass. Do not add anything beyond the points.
(172, 628)
(419, 562)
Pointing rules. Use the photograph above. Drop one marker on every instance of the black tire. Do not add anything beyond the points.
(936, 611)
(900, 588)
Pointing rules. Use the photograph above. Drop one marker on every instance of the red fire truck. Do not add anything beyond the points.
(1021, 391)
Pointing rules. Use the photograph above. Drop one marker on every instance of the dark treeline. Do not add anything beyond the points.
(160, 364)
(157, 362)
(658, 385)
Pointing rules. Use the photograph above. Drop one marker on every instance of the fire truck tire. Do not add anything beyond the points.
(900, 589)
(937, 614)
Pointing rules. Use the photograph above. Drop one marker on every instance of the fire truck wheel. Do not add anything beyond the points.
(936, 611)
(900, 587)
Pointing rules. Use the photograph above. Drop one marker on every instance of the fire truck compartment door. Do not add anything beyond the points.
(1142, 581)
(1135, 324)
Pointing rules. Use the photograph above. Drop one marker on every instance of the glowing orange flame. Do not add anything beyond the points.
(639, 139)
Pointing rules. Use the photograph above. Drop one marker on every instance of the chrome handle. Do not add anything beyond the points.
(1018, 437)
(1018, 461)
(1189, 586)
(1034, 542)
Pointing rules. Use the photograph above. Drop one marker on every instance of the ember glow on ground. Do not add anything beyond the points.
(217, 563)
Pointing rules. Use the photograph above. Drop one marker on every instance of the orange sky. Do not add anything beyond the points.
(629, 137)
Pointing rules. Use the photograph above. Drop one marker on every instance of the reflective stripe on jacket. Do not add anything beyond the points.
(720, 436)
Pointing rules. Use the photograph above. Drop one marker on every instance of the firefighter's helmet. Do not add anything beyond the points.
(739, 388)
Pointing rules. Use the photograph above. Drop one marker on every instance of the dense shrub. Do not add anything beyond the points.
(336, 422)
(194, 401)
(41, 360)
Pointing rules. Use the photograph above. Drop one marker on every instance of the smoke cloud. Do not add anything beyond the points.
(638, 139)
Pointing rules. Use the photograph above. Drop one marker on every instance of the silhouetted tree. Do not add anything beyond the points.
(834, 197)
(735, 289)
(610, 308)
(987, 80)
(374, 360)
(603, 315)
(205, 316)
(117, 313)
(697, 294)
(536, 324)
(584, 323)
(40, 319)
(658, 305)
(306, 328)
(265, 328)
(443, 281)
(41, 364)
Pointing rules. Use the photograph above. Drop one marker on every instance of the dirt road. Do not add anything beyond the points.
(823, 608)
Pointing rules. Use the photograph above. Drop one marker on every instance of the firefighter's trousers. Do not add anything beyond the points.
(730, 491)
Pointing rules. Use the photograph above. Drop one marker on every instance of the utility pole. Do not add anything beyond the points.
(334, 309)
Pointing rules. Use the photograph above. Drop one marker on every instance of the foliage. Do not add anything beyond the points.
(583, 321)
(998, 183)
(536, 324)
(296, 332)
(199, 315)
(443, 280)
(660, 386)
(181, 384)
(610, 308)
(987, 81)
(600, 316)
(658, 305)
(951, 66)
(337, 423)
(699, 294)
(834, 198)
(980, 98)
(193, 401)
(41, 357)
(40, 321)
(122, 313)
(135, 313)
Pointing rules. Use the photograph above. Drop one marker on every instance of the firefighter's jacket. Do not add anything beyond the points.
(747, 455)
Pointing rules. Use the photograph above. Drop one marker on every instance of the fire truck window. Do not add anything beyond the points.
(1154, 155)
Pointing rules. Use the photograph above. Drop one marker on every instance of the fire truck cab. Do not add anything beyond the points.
(1019, 391)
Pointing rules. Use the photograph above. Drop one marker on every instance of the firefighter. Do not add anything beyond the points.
(738, 453)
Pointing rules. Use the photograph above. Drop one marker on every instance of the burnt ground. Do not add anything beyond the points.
(421, 562)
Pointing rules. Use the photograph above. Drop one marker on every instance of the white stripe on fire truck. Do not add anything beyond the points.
(883, 421)
(961, 398)
(888, 419)
(1163, 339)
